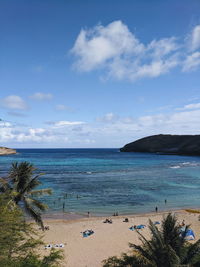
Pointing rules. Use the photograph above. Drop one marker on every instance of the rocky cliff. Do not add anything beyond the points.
(7, 151)
(166, 144)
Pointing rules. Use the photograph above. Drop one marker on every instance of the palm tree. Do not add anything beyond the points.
(166, 248)
(21, 183)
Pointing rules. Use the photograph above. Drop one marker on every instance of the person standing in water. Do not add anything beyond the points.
(156, 209)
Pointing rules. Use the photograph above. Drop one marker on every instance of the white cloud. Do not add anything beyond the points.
(37, 135)
(68, 123)
(6, 135)
(121, 55)
(37, 131)
(194, 40)
(112, 130)
(109, 117)
(63, 108)
(190, 106)
(178, 122)
(5, 124)
(101, 44)
(191, 62)
(41, 96)
(65, 123)
(13, 102)
(50, 136)
(155, 68)
(163, 47)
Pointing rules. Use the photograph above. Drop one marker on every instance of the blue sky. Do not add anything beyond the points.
(98, 73)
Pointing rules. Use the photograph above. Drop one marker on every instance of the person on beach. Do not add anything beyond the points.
(88, 214)
(183, 223)
(63, 206)
(156, 209)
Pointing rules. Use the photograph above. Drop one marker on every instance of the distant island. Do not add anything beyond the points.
(7, 151)
(166, 144)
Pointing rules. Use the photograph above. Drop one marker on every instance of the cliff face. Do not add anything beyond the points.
(7, 151)
(166, 144)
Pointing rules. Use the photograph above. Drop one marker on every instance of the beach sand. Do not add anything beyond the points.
(108, 239)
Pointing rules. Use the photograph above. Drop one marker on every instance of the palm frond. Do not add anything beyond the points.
(33, 213)
(171, 256)
(30, 185)
(41, 192)
(171, 233)
(36, 203)
(143, 252)
(192, 252)
(146, 250)
(23, 181)
(156, 235)
(4, 185)
(18, 169)
(145, 242)
(166, 248)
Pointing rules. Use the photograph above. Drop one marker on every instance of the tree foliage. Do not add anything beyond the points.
(166, 248)
(21, 185)
(19, 241)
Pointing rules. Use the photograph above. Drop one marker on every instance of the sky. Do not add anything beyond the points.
(90, 73)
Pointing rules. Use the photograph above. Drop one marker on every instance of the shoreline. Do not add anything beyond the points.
(5, 151)
(75, 216)
(77, 219)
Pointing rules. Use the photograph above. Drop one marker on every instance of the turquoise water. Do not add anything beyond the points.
(107, 181)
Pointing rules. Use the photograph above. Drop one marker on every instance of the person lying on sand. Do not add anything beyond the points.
(88, 233)
(107, 221)
(138, 227)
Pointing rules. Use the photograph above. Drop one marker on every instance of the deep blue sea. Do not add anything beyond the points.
(104, 181)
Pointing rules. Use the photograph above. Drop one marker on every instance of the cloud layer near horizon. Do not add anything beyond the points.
(117, 51)
(110, 130)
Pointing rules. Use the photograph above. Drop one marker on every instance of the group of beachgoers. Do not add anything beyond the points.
(54, 246)
(87, 233)
(188, 233)
(110, 220)
(107, 221)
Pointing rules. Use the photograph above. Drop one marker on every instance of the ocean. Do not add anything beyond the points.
(105, 181)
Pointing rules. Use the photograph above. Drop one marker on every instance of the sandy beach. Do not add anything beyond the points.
(108, 239)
